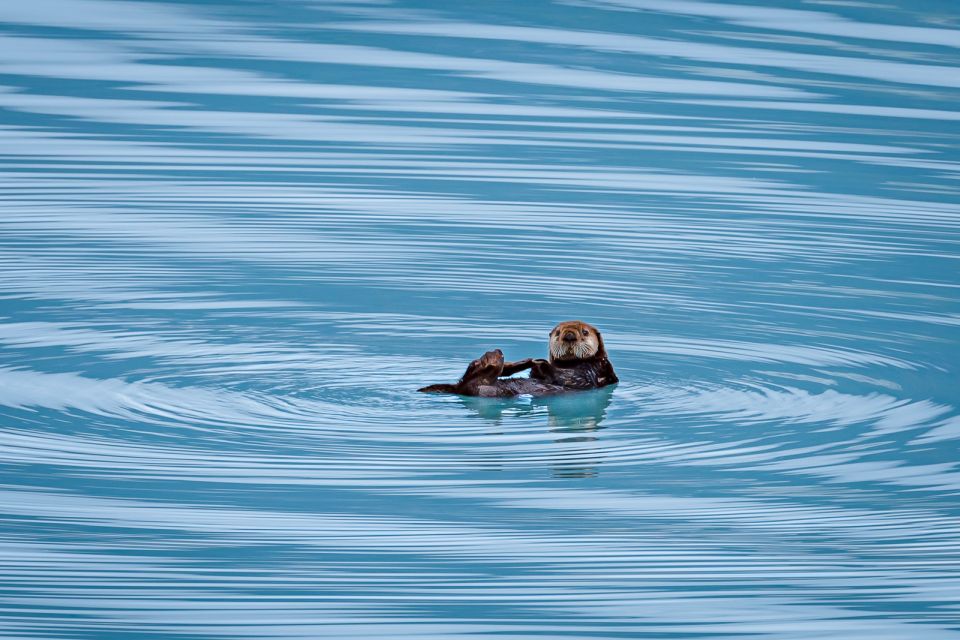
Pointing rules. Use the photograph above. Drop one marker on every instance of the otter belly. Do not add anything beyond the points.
(509, 387)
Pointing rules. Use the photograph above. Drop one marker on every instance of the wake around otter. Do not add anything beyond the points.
(578, 361)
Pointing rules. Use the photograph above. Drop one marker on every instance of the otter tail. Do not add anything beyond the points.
(439, 388)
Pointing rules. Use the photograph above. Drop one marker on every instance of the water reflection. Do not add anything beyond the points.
(573, 418)
(576, 420)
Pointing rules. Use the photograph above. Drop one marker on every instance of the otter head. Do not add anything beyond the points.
(575, 340)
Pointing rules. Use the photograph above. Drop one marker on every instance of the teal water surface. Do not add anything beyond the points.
(235, 237)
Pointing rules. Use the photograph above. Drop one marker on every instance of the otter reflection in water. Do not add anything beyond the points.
(578, 361)
(574, 419)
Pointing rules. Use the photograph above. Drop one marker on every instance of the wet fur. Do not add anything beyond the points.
(482, 378)
(564, 371)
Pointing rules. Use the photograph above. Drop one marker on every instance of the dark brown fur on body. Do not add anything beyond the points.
(482, 379)
(578, 361)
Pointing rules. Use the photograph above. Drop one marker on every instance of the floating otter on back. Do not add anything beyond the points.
(578, 361)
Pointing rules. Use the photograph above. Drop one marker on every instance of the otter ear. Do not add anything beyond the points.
(601, 350)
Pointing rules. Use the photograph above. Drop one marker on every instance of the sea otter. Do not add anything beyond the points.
(578, 361)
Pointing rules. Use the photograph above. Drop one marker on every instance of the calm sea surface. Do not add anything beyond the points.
(236, 236)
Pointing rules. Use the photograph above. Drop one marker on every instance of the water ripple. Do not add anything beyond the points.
(235, 239)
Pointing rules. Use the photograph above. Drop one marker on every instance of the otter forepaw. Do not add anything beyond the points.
(543, 371)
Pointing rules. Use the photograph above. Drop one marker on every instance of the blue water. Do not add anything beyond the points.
(237, 236)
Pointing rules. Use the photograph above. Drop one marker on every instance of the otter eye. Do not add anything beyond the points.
(585, 332)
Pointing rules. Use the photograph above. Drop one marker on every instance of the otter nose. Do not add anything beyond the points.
(569, 336)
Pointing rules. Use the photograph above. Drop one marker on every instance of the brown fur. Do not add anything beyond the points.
(578, 361)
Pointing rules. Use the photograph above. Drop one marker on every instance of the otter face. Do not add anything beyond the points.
(574, 340)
